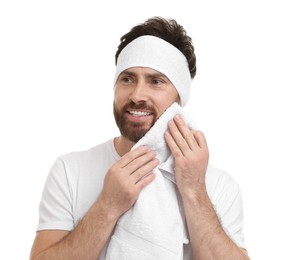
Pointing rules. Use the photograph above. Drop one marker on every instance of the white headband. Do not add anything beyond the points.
(153, 52)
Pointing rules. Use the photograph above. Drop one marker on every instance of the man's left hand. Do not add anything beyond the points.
(191, 154)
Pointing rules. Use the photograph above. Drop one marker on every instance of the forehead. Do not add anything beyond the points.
(144, 71)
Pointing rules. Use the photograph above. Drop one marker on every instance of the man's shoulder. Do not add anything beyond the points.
(87, 154)
(218, 180)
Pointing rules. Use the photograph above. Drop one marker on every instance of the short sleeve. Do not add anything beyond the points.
(229, 208)
(55, 210)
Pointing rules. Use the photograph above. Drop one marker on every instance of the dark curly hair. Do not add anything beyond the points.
(166, 29)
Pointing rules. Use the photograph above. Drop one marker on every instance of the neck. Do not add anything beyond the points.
(122, 145)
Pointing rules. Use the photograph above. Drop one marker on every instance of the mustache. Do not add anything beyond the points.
(143, 105)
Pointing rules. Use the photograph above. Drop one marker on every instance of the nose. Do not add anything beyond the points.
(139, 92)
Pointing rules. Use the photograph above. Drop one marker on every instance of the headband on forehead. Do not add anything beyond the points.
(153, 52)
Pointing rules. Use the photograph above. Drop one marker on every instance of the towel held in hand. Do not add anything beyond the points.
(154, 228)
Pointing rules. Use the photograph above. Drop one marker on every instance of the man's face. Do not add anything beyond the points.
(141, 96)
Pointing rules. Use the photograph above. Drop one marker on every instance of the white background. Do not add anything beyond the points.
(56, 77)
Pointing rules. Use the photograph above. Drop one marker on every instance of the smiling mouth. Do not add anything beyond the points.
(137, 113)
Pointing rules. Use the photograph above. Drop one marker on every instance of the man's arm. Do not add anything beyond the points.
(84, 242)
(190, 151)
(122, 185)
(208, 239)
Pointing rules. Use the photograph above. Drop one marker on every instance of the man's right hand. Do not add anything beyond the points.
(122, 185)
(126, 178)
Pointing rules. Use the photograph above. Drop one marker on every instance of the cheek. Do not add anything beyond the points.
(163, 102)
(119, 96)
(121, 93)
(167, 99)
(175, 95)
(118, 103)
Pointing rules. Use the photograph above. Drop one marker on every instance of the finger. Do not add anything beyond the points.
(145, 170)
(143, 182)
(200, 138)
(138, 162)
(175, 150)
(130, 156)
(178, 137)
(186, 132)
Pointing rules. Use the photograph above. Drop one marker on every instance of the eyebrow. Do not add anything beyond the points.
(149, 75)
(129, 73)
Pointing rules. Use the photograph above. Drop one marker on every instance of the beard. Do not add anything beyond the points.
(133, 131)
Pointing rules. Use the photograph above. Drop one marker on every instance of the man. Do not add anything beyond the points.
(88, 195)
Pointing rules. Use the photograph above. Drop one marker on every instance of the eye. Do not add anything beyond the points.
(157, 81)
(125, 79)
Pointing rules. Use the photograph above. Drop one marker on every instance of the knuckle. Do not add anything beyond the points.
(199, 133)
(189, 134)
(139, 173)
(182, 143)
(136, 164)
(176, 153)
(130, 194)
(129, 156)
(113, 169)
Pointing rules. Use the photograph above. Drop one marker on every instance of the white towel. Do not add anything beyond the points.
(154, 228)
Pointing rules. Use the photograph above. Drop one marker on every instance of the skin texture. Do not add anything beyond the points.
(141, 96)
(190, 151)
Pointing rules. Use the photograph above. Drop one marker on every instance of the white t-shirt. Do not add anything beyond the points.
(76, 180)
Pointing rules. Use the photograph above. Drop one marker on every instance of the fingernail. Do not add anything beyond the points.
(145, 147)
(178, 117)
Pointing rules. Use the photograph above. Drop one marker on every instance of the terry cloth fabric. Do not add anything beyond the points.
(154, 228)
(153, 52)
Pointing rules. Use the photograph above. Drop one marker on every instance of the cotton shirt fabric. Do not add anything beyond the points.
(76, 180)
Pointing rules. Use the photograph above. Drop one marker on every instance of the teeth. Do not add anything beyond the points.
(139, 113)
